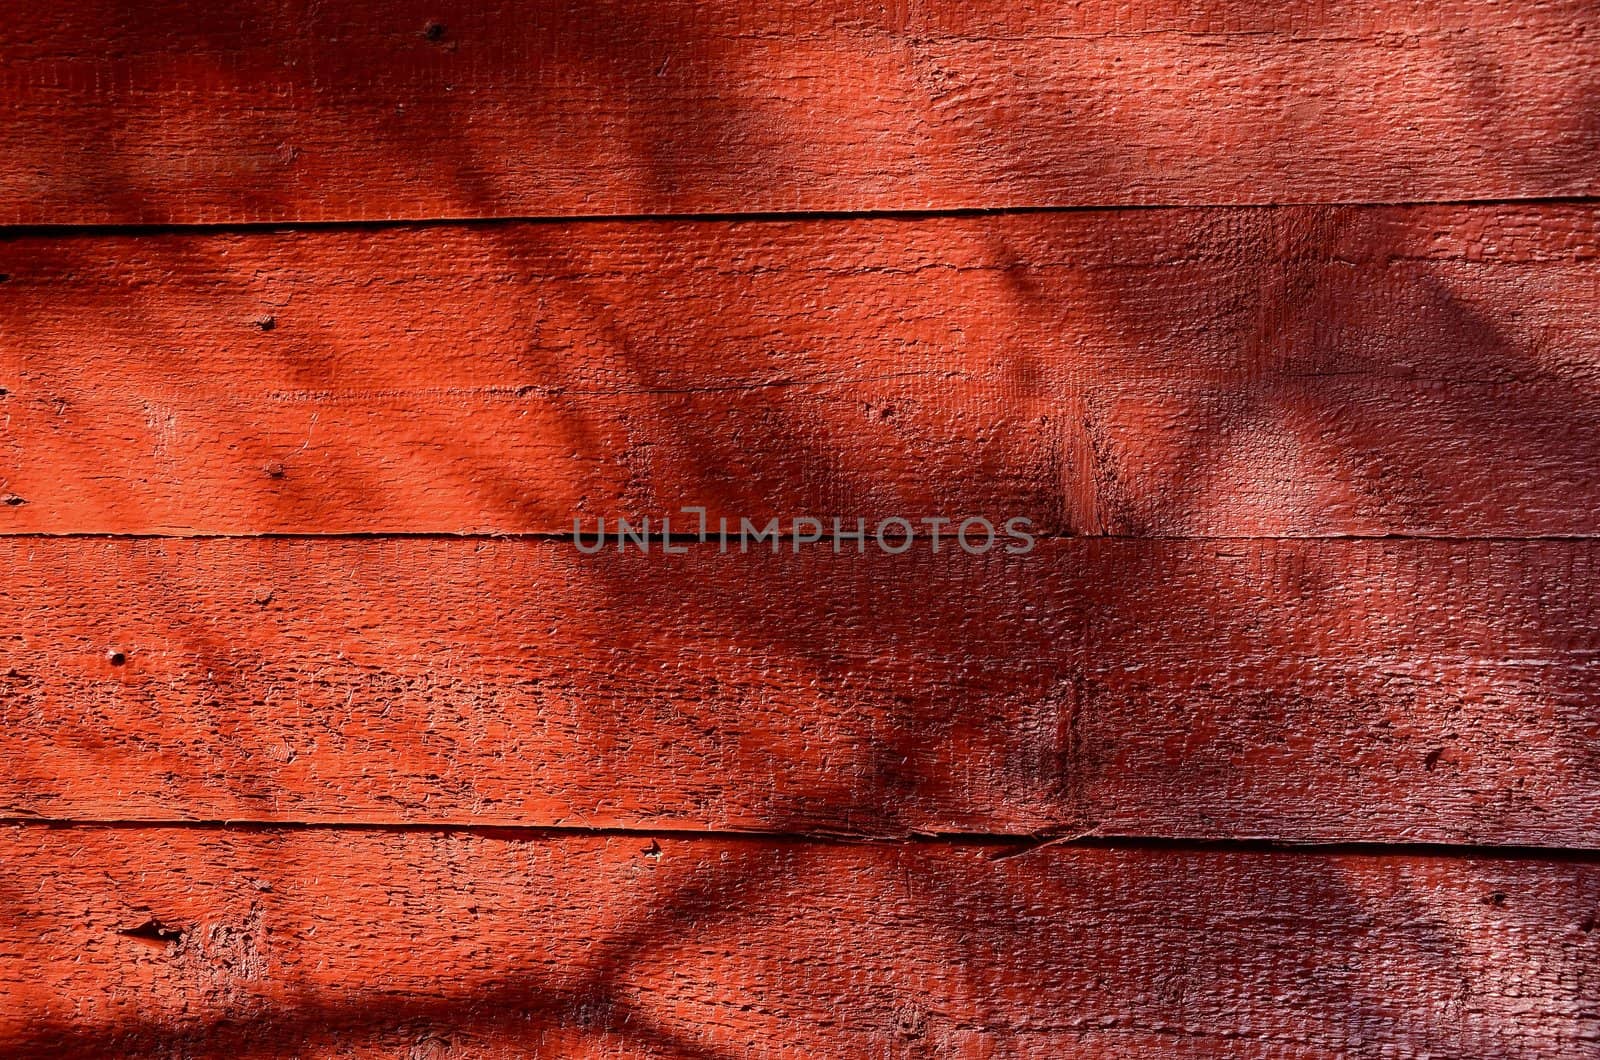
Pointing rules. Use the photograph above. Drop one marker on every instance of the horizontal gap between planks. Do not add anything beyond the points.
(68, 230)
(1004, 845)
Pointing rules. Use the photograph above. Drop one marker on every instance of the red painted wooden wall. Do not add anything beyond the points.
(321, 321)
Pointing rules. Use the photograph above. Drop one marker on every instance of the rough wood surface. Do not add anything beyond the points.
(168, 110)
(1321, 485)
(159, 943)
(1371, 690)
(1221, 372)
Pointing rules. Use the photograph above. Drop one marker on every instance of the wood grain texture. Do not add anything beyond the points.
(1321, 485)
(169, 111)
(1425, 371)
(1353, 690)
(160, 943)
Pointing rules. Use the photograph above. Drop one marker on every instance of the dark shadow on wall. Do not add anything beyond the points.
(1301, 372)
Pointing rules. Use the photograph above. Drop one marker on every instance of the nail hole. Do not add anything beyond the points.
(153, 930)
(5, 277)
(266, 323)
(434, 31)
(274, 470)
(13, 500)
(911, 1022)
(116, 658)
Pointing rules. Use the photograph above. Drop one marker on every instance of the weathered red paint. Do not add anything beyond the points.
(241, 943)
(1236, 406)
(1236, 373)
(1300, 690)
(175, 111)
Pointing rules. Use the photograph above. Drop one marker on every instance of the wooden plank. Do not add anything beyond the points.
(272, 110)
(1331, 690)
(248, 944)
(1220, 372)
